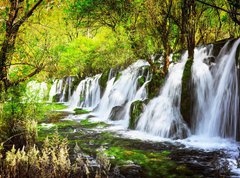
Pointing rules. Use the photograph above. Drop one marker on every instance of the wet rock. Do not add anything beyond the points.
(130, 170)
(117, 113)
(136, 110)
(187, 93)
(56, 98)
(103, 80)
(209, 60)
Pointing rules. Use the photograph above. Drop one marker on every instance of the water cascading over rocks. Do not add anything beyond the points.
(216, 111)
(162, 115)
(121, 91)
(87, 94)
(61, 89)
(215, 94)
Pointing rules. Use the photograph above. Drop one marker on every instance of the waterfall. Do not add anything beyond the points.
(53, 90)
(66, 92)
(61, 89)
(162, 115)
(122, 92)
(87, 94)
(216, 95)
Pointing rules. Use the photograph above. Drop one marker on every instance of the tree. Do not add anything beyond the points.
(233, 11)
(160, 24)
(18, 14)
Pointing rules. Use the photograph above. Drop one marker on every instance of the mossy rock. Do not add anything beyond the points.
(144, 72)
(54, 116)
(117, 113)
(56, 98)
(141, 81)
(117, 76)
(238, 56)
(186, 98)
(75, 83)
(80, 111)
(135, 112)
(103, 80)
(153, 87)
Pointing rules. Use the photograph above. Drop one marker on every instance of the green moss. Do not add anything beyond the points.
(56, 98)
(141, 81)
(49, 114)
(135, 112)
(53, 107)
(80, 111)
(117, 76)
(186, 92)
(154, 164)
(87, 124)
(103, 79)
(155, 84)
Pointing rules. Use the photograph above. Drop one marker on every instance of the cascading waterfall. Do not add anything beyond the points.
(122, 92)
(66, 93)
(162, 115)
(53, 90)
(87, 94)
(215, 88)
(216, 95)
(61, 89)
(56, 90)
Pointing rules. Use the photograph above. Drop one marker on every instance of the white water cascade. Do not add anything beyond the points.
(216, 94)
(215, 91)
(87, 94)
(62, 88)
(122, 92)
(162, 115)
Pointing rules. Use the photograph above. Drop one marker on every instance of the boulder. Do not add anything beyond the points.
(135, 112)
(117, 113)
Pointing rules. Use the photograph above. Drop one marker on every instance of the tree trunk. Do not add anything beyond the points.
(166, 58)
(7, 47)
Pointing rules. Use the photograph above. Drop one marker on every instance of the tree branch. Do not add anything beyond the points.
(36, 71)
(28, 14)
(216, 7)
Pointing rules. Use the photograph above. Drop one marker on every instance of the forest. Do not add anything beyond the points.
(119, 88)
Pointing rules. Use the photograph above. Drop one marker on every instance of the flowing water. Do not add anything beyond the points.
(162, 115)
(87, 94)
(215, 88)
(122, 92)
(62, 88)
(216, 94)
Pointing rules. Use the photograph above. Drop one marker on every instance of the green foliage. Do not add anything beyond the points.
(18, 118)
(80, 111)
